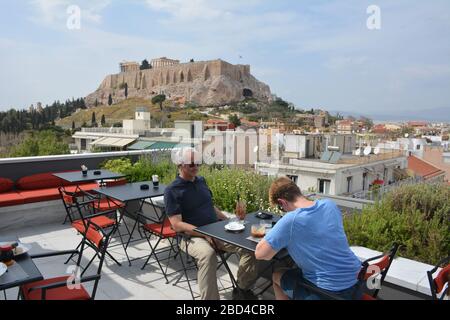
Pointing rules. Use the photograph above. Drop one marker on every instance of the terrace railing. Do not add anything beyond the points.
(377, 194)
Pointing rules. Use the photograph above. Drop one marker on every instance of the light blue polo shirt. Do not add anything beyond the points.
(316, 241)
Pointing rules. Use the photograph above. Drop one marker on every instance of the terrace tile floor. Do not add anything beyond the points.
(118, 282)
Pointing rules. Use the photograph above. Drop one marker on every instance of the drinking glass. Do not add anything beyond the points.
(241, 210)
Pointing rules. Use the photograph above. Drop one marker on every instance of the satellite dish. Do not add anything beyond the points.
(367, 150)
(376, 150)
(406, 135)
(358, 152)
(255, 149)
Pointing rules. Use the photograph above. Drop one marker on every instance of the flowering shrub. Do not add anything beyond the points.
(229, 183)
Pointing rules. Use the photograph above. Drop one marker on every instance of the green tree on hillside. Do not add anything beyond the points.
(41, 143)
(73, 125)
(110, 100)
(234, 120)
(103, 121)
(159, 99)
(93, 120)
(145, 65)
(126, 90)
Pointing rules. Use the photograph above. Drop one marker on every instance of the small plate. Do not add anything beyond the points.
(3, 268)
(234, 227)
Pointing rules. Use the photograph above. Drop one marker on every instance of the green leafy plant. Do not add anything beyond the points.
(416, 216)
(226, 184)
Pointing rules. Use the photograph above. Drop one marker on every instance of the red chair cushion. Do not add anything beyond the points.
(382, 265)
(60, 293)
(442, 278)
(10, 199)
(107, 204)
(367, 297)
(166, 232)
(6, 185)
(101, 221)
(93, 235)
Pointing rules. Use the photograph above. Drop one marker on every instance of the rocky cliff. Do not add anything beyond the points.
(209, 83)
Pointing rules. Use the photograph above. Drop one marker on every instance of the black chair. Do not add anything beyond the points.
(381, 267)
(368, 271)
(161, 228)
(71, 287)
(439, 285)
(102, 220)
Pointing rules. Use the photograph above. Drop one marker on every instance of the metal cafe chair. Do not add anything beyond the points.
(71, 287)
(439, 285)
(161, 228)
(368, 270)
(102, 220)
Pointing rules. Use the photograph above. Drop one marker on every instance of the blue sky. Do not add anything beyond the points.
(314, 53)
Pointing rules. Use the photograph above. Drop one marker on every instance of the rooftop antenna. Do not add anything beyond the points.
(358, 152)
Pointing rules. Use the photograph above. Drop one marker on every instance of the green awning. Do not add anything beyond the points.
(141, 145)
(156, 145)
(167, 145)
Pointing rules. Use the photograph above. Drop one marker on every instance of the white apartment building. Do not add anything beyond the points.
(352, 174)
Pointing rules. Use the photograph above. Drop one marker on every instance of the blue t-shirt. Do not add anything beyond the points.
(316, 241)
(192, 200)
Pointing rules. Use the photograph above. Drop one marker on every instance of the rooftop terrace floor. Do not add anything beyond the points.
(118, 282)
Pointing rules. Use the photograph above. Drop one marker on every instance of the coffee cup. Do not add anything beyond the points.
(155, 180)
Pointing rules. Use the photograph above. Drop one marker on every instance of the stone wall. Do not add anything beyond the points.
(205, 83)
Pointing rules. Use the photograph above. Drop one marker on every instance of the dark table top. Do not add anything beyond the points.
(77, 176)
(22, 272)
(132, 191)
(239, 239)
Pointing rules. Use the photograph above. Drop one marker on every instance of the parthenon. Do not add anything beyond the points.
(163, 62)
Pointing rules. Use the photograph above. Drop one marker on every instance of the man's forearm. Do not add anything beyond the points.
(188, 229)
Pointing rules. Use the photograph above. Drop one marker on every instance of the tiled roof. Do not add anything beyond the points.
(422, 168)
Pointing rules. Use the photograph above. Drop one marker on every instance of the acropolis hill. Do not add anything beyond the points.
(206, 83)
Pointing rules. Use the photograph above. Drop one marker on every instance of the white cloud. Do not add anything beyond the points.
(189, 10)
(427, 71)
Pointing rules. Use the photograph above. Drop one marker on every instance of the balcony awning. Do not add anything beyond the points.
(112, 142)
(167, 145)
(141, 145)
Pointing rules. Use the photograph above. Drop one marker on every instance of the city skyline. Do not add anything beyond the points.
(316, 54)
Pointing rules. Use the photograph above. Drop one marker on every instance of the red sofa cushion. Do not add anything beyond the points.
(6, 185)
(10, 199)
(41, 181)
(31, 196)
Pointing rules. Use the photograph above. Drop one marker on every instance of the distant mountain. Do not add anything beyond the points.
(433, 115)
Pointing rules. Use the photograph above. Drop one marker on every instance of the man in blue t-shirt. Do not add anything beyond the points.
(313, 234)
